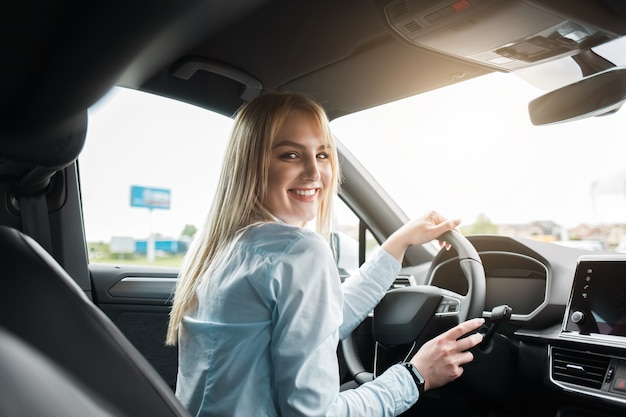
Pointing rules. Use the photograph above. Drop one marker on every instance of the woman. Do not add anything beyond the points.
(259, 307)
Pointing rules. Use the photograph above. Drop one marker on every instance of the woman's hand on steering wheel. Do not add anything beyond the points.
(423, 229)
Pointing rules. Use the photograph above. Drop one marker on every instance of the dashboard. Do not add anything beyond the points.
(513, 279)
(532, 277)
(569, 315)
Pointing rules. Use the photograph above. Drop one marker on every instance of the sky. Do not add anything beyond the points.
(490, 159)
(142, 140)
(462, 151)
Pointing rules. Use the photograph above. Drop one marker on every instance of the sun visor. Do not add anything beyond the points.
(503, 34)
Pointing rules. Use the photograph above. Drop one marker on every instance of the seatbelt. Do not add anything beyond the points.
(34, 214)
(31, 193)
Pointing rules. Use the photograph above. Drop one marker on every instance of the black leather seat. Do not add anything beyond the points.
(45, 309)
(34, 386)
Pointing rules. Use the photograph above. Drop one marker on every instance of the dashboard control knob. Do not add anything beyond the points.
(578, 316)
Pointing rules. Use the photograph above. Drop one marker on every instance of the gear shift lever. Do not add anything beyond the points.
(498, 315)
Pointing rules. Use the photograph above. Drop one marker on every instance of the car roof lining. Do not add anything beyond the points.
(52, 76)
(64, 77)
(339, 49)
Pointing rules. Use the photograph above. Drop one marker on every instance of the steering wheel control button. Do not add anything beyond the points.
(448, 305)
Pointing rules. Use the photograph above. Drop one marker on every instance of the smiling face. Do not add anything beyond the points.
(299, 170)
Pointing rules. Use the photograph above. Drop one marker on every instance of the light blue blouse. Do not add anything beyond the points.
(264, 337)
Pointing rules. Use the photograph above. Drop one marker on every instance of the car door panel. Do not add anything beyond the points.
(138, 301)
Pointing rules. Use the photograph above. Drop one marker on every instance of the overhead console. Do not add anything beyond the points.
(595, 321)
(503, 34)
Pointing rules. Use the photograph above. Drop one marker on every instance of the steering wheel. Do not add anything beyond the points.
(412, 315)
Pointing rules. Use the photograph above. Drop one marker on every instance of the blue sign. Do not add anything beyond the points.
(153, 198)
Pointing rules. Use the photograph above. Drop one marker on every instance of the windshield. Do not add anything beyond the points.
(470, 151)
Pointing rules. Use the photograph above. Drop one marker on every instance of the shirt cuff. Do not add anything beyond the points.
(401, 386)
(381, 267)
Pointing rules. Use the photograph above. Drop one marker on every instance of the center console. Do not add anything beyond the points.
(597, 305)
(595, 322)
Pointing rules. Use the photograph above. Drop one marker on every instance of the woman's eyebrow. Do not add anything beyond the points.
(288, 143)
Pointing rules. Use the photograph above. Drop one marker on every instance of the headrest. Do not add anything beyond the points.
(28, 158)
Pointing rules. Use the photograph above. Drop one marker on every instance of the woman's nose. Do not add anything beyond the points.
(310, 170)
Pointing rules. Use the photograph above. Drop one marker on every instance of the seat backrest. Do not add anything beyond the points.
(46, 309)
(33, 386)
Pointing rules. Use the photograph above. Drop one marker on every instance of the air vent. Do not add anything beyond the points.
(580, 368)
(399, 9)
(412, 27)
(403, 281)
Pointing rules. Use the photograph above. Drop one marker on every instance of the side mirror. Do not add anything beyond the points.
(595, 95)
(346, 251)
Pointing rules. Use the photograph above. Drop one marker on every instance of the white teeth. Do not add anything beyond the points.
(304, 193)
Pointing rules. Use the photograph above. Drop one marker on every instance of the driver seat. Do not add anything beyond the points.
(46, 310)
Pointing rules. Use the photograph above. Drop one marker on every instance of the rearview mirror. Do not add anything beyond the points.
(594, 95)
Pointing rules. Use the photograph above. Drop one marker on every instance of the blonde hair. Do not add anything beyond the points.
(241, 189)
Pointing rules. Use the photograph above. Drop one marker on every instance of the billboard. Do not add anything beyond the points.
(152, 198)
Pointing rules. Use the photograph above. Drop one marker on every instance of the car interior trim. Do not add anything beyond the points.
(144, 287)
(187, 67)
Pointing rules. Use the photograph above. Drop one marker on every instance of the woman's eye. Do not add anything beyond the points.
(322, 155)
(289, 155)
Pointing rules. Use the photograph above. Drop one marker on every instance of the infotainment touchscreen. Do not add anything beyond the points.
(597, 302)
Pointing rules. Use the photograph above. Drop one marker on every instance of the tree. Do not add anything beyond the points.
(482, 226)
(189, 230)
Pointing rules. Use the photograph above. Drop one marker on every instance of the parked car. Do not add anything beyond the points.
(505, 113)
